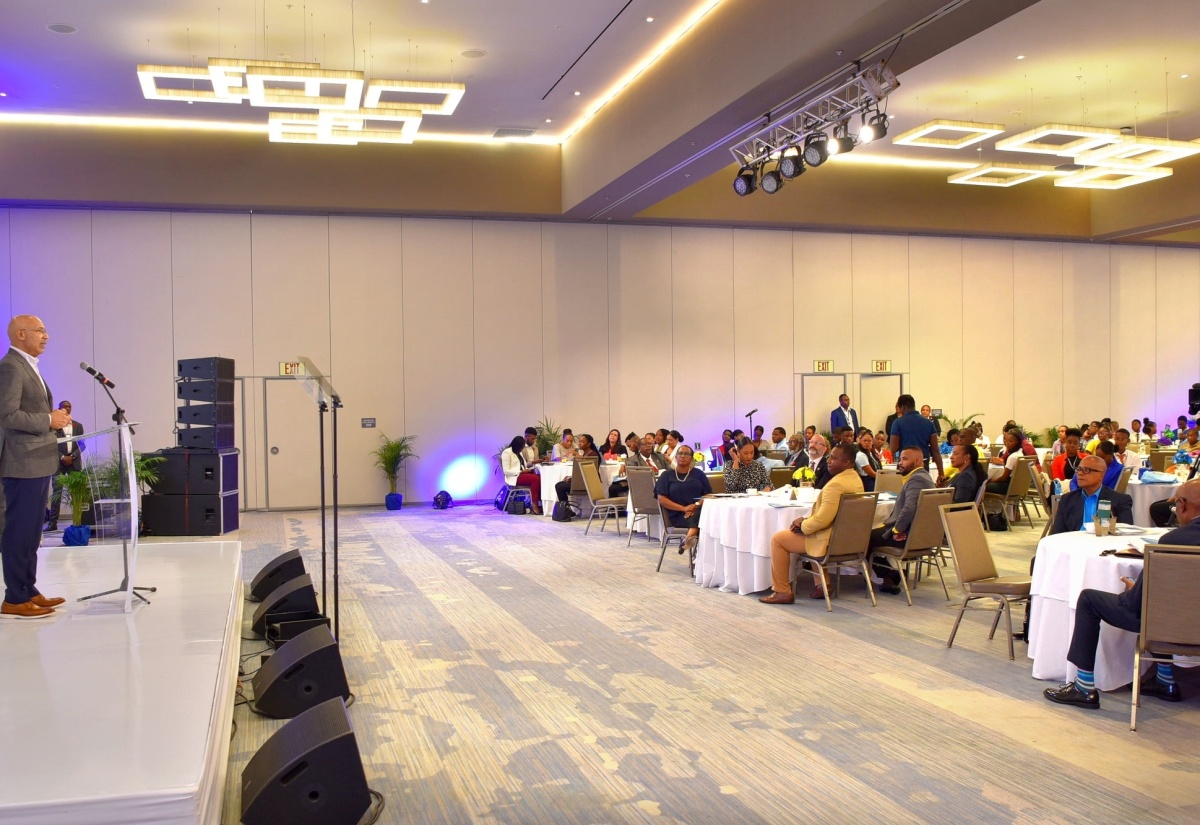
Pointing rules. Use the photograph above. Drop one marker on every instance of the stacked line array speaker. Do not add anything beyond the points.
(308, 773)
(304, 672)
(197, 493)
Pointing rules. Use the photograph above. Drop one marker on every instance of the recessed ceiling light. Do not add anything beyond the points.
(547, 120)
(1020, 57)
(649, 19)
(577, 94)
(3, 94)
(473, 54)
(62, 28)
(1183, 77)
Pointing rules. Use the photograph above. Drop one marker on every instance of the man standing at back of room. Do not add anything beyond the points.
(843, 415)
(911, 429)
(28, 460)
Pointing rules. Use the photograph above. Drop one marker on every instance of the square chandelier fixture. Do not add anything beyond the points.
(1000, 174)
(1075, 139)
(345, 109)
(965, 133)
(1138, 153)
(1100, 177)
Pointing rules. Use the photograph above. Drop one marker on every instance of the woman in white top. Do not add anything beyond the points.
(517, 475)
(674, 439)
(565, 449)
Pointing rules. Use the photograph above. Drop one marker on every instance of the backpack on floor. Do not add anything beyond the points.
(997, 522)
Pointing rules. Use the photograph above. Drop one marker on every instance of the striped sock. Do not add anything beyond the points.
(1085, 680)
(1166, 675)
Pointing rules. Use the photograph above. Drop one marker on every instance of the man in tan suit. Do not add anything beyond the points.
(811, 535)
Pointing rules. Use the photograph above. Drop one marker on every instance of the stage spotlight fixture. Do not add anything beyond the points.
(791, 164)
(841, 142)
(873, 128)
(771, 182)
(816, 149)
(745, 183)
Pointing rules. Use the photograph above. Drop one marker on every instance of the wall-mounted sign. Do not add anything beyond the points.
(822, 366)
(292, 368)
(368, 423)
(881, 366)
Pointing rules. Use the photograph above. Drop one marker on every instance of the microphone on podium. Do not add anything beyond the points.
(99, 376)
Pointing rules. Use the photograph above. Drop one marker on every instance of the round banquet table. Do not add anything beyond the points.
(734, 552)
(1144, 495)
(559, 470)
(1067, 564)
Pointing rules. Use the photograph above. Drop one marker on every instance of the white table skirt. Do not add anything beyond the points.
(1067, 564)
(1144, 495)
(734, 552)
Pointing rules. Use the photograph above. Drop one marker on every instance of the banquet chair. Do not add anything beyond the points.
(672, 534)
(578, 485)
(977, 570)
(888, 480)
(1018, 490)
(979, 494)
(781, 476)
(601, 505)
(717, 483)
(925, 537)
(1054, 499)
(642, 500)
(1170, 611)
(848, 544)
(1159, 460)
(1123, 481)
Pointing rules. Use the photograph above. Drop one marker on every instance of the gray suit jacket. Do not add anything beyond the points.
(906, 500)
(656, 460)
(30, 449)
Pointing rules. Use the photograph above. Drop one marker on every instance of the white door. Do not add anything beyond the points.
(816, 396)
(879, 394)
(291, 435)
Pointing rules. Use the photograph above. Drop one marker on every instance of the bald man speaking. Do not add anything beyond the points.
(28, 461)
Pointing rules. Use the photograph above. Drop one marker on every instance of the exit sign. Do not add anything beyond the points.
(822, 366)
(881, 366)
(292, 368)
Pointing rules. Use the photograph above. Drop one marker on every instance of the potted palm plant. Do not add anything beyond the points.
(78, 487)
(390, 457)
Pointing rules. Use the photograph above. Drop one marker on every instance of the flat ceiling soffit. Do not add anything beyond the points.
(701, 149)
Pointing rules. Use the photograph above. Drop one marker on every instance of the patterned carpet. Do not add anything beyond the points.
(509, 669)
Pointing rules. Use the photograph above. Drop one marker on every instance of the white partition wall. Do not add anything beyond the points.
(463, 332)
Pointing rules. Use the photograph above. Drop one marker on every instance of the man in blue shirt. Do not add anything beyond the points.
(911, 429)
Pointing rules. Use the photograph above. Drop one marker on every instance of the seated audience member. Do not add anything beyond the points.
(565, 449)
(882, 452)
(1107, 452)
(632, 443)
(1066, 463)
(1077, 508)
(742, 472)
(517, 474)
(1151, 430)
(1136, 435)
(1124, 611)
(865, 462)
(680, 491)
(738, 434)
(811, 535)
(1059, 444)
(778, 442)
(1126, 456)
(674, 442)
(894, 531)
(758, 437)
(809, 432)
(620, 484)
(1008, 459)
(927, 413)
(1191, 442)
(1008, 425)
(726, 440)
(660, 440)
(970, 473)
(797, 455)
(951, 441)
(529, 452)
(613, 449)
(1102, 434)
(587, 449)
(646, 457)
(1089, 432)
(1181, 427)
(818, 460)
(911, 430)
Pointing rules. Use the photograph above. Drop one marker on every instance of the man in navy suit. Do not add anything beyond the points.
(1123, 610)
(1076, 508)
(843, 415)
(27, 462)
(70, 459)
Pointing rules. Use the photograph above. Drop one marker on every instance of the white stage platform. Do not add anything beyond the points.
(110, 717)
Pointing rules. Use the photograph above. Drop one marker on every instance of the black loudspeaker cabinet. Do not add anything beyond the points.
(282, 568)
(204, 472)
(205, 415)
(205, 392)
(303, 672)
(308, 773)
(206, 369)
(191, 515)
(295, 596)
(205, 438)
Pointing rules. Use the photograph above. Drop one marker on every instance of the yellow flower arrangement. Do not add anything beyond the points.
(804, 474)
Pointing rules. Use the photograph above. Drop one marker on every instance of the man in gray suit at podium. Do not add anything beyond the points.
(28, 460)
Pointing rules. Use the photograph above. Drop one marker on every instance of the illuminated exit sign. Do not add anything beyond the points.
(291, 368)
(881, 366)
(822, 366)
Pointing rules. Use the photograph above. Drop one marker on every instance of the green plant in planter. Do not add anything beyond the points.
(108, 473)
(78, 486)
(548, 434)
(959, 423)
(391, 455)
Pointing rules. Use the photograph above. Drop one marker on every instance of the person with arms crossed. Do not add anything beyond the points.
(70, 458)
(28, 460)
(1124, 611)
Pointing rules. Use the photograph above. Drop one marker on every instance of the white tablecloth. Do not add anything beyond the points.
(734, 552)
(556, 472)
(1144, 495)
(1067, 564)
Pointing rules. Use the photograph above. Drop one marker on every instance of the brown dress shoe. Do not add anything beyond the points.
(44, 601)
(28, 610)
(778, 598)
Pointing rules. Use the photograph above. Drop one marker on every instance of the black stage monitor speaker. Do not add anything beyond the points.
(282, 568)
(206, 438)
(205, 392)
(308, 773)
(206, 369)
(205, 415)
(295, 596)
(303, 672)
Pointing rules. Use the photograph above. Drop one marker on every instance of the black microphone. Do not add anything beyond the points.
(752, 412)
(99, 376)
